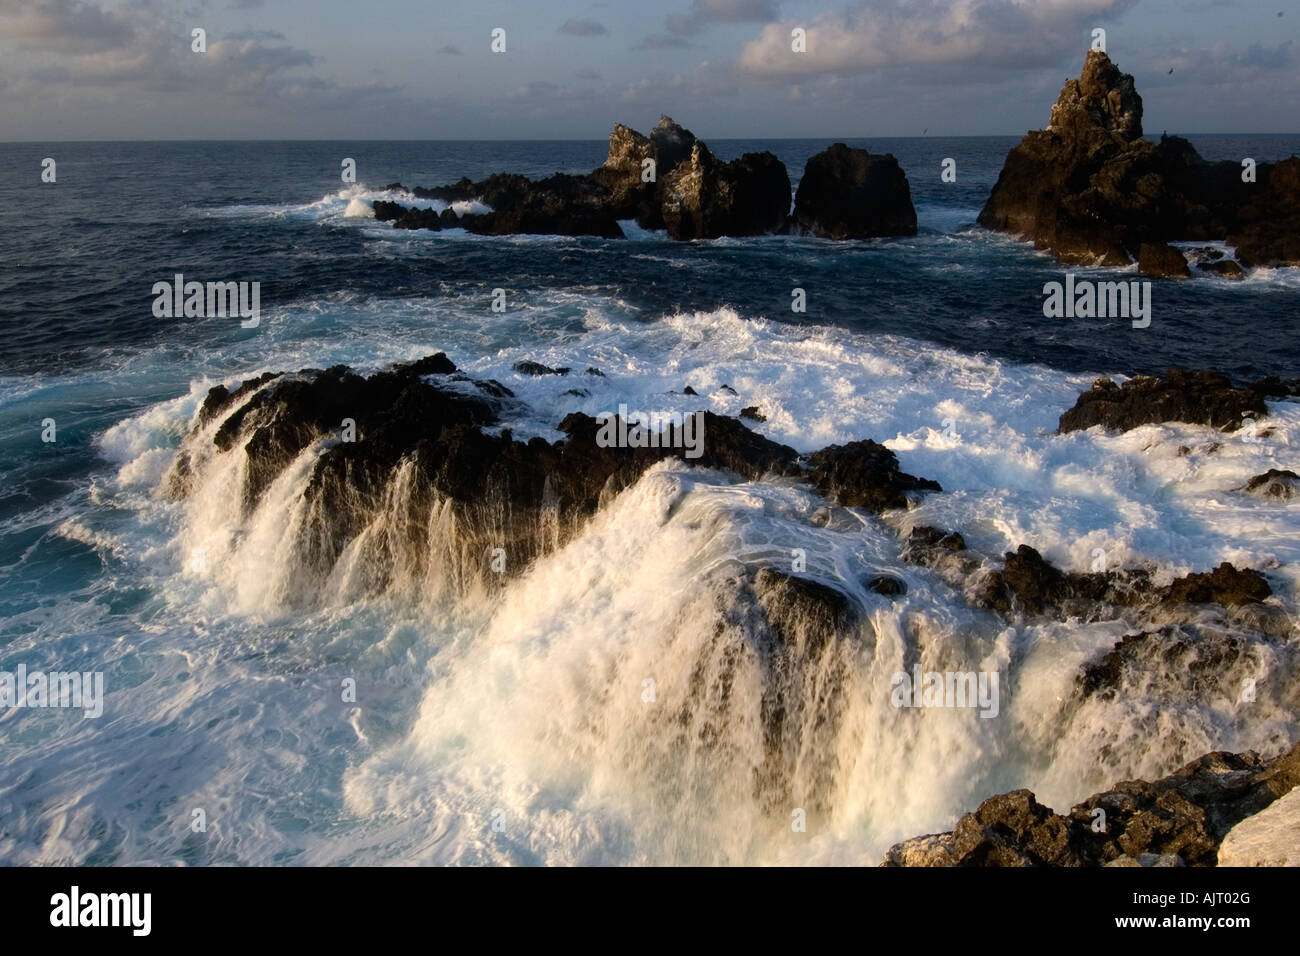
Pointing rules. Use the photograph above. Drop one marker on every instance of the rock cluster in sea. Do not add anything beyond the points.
(671, 180)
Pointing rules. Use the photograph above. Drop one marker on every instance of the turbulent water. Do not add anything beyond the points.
(513, 724)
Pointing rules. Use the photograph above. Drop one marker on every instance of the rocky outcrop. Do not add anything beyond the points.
(705, 198)
(864, 474)
(847, 193)
(1186, 815)
(633, 193)
(1160, 260)
(1200, 398)
(420, 435)
(1267, 232)
(1090, 189)
(685, 189)
(558, 205)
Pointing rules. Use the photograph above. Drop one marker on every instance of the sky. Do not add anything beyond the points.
(425, 69)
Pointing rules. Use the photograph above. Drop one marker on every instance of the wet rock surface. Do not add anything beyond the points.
(1201, 398)
(1185, 815)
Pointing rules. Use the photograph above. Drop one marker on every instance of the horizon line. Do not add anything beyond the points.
(34, 142)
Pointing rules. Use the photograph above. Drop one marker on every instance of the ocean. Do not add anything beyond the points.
(513, 730)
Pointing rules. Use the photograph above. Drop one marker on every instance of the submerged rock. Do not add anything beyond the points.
(1187, 814)
(1224, 268)
(1274, 483)
(1199, 398)
(847, 193)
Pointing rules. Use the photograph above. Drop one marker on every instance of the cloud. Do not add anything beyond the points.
(451, 50)
(663, 41)
(704, 12)
(737, 11)
(1280, 57)
(583, 28)
(65, 26)
(888, 33)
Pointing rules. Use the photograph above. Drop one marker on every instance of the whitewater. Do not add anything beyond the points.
(511, 721)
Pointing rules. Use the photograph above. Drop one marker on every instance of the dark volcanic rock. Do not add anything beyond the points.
(864, 474)
(1225, 268)
(558, 205)
(537, 368)
(1187, 813)
(414, 218)
(1224, 585)
(1274, 483)
(1162, 261)
(847, 193)
(1268, 230)
(1194, 664)
(421, 466)
(705, 198)
(1202, 398)
(387, 211)
(1029, 584)
(1090, 189)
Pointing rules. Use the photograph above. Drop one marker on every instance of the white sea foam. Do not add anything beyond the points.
(532, 705)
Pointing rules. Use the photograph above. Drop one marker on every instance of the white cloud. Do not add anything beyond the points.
(883, 33)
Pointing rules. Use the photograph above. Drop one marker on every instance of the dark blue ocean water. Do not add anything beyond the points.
(78, 258)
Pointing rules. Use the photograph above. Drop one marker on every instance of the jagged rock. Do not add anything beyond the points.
(933, 537)
(537, 368)
(847, 193)
(864, 474)
(1274, 387)
(1224, 585)
(1186, 814)
(415, 218)
(526, 497)
(387, 211)
(1274, 483)
(1162, 261)
(1198, 664)
(1202, 398)
(623, 171)
(1225, 268)
(689, 391)
(1090, 189)
(597, 373)
(1029, 584)
(705, 198)
(753, 414)
(558, 205)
